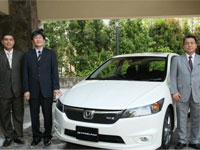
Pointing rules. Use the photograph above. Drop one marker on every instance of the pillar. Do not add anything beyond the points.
(21, 21)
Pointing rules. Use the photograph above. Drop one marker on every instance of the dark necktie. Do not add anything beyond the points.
(190, 62)
(39, 55)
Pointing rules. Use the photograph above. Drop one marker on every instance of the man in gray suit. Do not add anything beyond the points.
(11, 92)
(185, 89)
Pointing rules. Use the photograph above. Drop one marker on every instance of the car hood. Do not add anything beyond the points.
(112, 95)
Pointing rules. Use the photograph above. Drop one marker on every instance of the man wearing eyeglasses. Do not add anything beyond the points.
(185, 89)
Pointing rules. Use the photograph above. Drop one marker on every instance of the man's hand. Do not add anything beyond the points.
(177, 97)
(57, 92)
(27, 96)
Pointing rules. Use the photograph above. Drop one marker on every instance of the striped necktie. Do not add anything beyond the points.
(39, 55)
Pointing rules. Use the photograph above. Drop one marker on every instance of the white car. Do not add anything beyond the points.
(124, 104)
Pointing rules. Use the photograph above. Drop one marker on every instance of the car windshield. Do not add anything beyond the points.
(132, 68)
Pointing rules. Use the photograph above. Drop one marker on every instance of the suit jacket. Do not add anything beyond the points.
(40, 76)
(183, 80)
(11, 79)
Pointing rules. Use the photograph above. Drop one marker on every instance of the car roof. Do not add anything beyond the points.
(147, 54)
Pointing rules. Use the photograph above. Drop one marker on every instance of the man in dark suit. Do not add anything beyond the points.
(41, 84)
(11, 93)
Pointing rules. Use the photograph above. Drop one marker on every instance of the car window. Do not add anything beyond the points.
(132, 68)
(109, 70)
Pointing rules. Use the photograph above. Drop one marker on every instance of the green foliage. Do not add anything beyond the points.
(157, 65)
(56, 38)
(134, 36)
(186, 28)
(89, 45)
(167, 33)
(82, 45)
(197, 33)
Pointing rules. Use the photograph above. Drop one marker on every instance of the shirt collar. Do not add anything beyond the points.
(38, 50)
(193, 55)
(10, 52)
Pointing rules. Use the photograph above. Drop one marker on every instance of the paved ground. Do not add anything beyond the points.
(56, 143)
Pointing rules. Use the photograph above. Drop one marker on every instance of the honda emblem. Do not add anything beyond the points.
(88, 114)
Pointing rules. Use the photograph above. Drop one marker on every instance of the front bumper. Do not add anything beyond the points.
(137, 133)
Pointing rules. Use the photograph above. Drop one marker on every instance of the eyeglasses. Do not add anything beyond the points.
(187, 43)
(7, 39)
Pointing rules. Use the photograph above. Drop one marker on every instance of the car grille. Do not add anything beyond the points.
(93, 116)
(101, 137)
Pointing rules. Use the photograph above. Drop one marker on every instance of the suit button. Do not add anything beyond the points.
(38, 74)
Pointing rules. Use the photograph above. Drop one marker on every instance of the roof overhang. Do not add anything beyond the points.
(115, 9)
(4, 7)
(111, 9)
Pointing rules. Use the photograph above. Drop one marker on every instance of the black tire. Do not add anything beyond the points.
(167, 130)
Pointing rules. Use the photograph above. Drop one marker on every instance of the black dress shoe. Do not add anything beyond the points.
(35, 141)
(19, 140)
(195, 146)
(47, 141)
(180, 146)
(7, 142)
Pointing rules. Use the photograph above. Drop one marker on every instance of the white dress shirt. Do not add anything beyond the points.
(38, 51)
(9, 56)
(191, 58)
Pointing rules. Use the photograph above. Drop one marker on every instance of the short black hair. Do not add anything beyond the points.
(7, 33)
(189, 36)
(38, 32)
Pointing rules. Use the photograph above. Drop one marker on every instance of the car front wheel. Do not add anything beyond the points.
(167, 130)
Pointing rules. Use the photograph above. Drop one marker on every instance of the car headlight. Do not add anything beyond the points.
(59, 105)
(144, 110)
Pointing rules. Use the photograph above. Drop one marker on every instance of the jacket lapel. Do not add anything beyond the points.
(196, 62)
(185, 61)
(4, 58)
(43, 56)
(33, 51)
(14, 58)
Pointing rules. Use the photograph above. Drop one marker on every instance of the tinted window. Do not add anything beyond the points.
(132, 68)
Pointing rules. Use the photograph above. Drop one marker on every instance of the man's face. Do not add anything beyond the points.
(190, 46)
(8, 42)
(38, 41)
